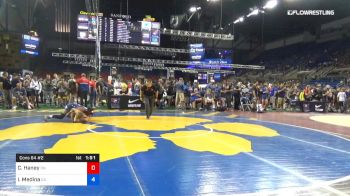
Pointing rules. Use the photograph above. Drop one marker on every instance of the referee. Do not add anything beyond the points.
(148, 95)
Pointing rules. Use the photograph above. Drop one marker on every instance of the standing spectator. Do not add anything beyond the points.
(227, 93)
(29, 89)
(83, 89)
(48, 90)
(93, 93)
(72, 89)
(256, 95)
(62, 90)
(100, 90)
(16, 79)
(136, 87)
(55, 81)
(161, 90)
(281, 97)
(237, 97)
(41, 94)
(347, 103)
(170, 91)
(187, 94)
(307, 93)
(341, 100)
(328, 97)
(273, 92)
(148, 96)
(117, 87)
(265, 96)
(5, 87)
(37, 87)
(180, 96)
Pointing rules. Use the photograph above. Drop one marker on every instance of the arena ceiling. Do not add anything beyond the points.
(272, 25)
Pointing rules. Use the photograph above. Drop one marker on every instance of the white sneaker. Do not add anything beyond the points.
(47, 117)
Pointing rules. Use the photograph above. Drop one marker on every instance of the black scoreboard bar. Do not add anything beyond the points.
(57, 158)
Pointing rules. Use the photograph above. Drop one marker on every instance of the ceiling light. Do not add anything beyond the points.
(253, 13)
(193, 9)
(271, 4)
(240, 19)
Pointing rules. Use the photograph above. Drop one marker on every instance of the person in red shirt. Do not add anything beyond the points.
(307, 93)
(93, 93)
(83, 89)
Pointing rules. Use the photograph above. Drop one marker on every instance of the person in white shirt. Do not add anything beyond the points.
(341, 99)
(37, 87)
(117, 87)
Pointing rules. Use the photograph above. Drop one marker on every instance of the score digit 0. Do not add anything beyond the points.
(93, 167)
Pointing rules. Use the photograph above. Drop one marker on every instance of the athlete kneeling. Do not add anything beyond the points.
(76, 112)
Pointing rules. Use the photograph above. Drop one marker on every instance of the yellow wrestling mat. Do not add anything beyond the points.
(343, 120)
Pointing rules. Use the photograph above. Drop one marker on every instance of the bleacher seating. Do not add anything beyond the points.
(307, 61)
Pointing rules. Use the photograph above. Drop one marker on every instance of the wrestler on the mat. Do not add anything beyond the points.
(77, 116)
(76, 112)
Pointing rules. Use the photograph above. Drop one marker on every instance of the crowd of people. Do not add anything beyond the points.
(30, 92)
(258, 96)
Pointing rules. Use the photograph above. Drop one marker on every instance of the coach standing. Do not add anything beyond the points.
(148, 95)
(83, 89)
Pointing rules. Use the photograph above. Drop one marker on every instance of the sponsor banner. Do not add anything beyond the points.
(124, 102)
(314, 106)
(197, 52)
(90, 13)
(212, 64)
(121, 16)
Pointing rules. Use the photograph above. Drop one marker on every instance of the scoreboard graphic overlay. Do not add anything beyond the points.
(57, 169)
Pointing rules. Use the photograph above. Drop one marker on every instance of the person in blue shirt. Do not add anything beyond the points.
(211, 85)
(180, 95)
(265, 96)
(196, 98)
(273, 91)
(187, 87)
(136, 87)
(217, 95)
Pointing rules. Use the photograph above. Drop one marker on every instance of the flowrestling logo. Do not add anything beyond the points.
(310, 12)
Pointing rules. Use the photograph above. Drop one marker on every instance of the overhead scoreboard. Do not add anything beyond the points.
(30, 45)
(57, 169)
(116, 30)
